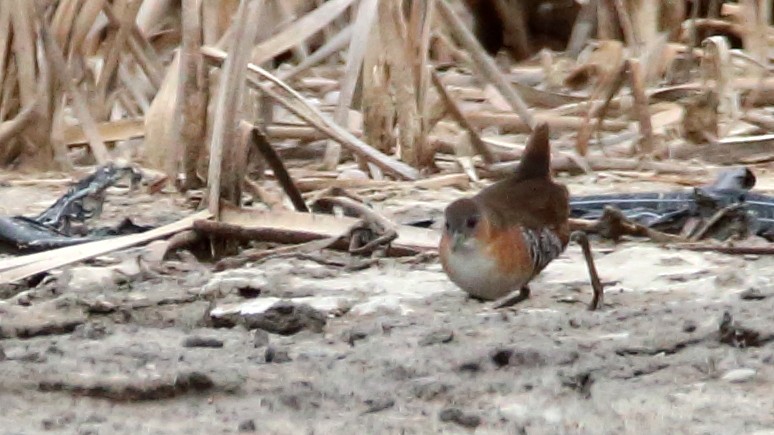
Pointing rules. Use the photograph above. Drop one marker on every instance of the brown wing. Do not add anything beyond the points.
(531, 203)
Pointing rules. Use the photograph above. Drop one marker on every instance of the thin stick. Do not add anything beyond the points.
(483, 63)
(475, 139)
(192, 95)
(357, 46)
(108, 72)
(260, 141)
(322, 122)
(229, 95)
(80, 106)
(641, 105)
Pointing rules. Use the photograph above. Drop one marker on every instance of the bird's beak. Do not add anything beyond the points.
(458, 239)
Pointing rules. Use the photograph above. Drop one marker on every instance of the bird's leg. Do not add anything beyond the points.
(580, 238)
(512, 298)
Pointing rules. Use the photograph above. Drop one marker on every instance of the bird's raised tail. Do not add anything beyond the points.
(536, 160)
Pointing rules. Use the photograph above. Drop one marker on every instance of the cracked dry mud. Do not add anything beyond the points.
(400, 349)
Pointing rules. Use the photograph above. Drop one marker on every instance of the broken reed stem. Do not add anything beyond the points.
(260, 141)
(141, 49)
(357, 46)
(402, 81)
(317, 119)
(228, 99)
(637, 81)
(454, 110)
(108, 73)
(80, 106)
(331, 47)
(611, 84)
(483, 63)
(627, 26)
(192, 95)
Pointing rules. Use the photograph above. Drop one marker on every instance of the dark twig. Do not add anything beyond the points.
(454, 110)
(262, 143)
(377, 223)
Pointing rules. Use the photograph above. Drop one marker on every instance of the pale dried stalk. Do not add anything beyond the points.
(300, 30)
(641, 106)
(456, 113)
(5, 39)
(80, 105)
(421, 59)
(626, 24)
(63, 20)
(192, 95)
(107, 74)
(141, 49)
(161, 126)
(483, 63)
(298, 106)
(24, 49)
(331, 46)
(412, 144)
(357, 47)
(378, 110)
(301, 51)
(83, 24)
(11, 128)
(229, 96)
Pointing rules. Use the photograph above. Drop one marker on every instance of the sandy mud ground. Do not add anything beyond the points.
(386, 346)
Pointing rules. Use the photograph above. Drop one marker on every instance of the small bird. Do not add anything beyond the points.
(496, 242)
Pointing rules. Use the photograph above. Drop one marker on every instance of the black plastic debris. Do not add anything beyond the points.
(63, 223)
(728, 200)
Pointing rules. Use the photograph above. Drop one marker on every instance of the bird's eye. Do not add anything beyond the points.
(471, 222)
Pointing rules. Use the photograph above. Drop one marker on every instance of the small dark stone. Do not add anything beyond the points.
(502, 357)
(752, 294)
(689, 326)
(287, 318)
(437, 337)
(94, 330)
(247, 426)
(195, 381)
(521, 358)
(580, 382)
(353, 335)
(249, 292)
(455, 415)
(277, 356)
(429, 389)
(471, 366)
(197, 341)
(378, 404)
(729, 332)
(260, 338)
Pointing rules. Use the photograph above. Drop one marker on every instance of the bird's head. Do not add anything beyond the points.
(463, 220)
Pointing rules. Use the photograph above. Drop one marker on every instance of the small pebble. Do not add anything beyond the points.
(379, 404)
(277, 356)
(247, 426)
(437, 337)
(738, 376)
(197, 341)
(752, 294)
(455, 415)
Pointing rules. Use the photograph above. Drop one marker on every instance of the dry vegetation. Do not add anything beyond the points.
(176, 86)
(256, 112)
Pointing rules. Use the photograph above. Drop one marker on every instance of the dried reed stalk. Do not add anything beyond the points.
(229, 97)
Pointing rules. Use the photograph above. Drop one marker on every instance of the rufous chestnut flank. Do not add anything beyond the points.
(497, 241)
